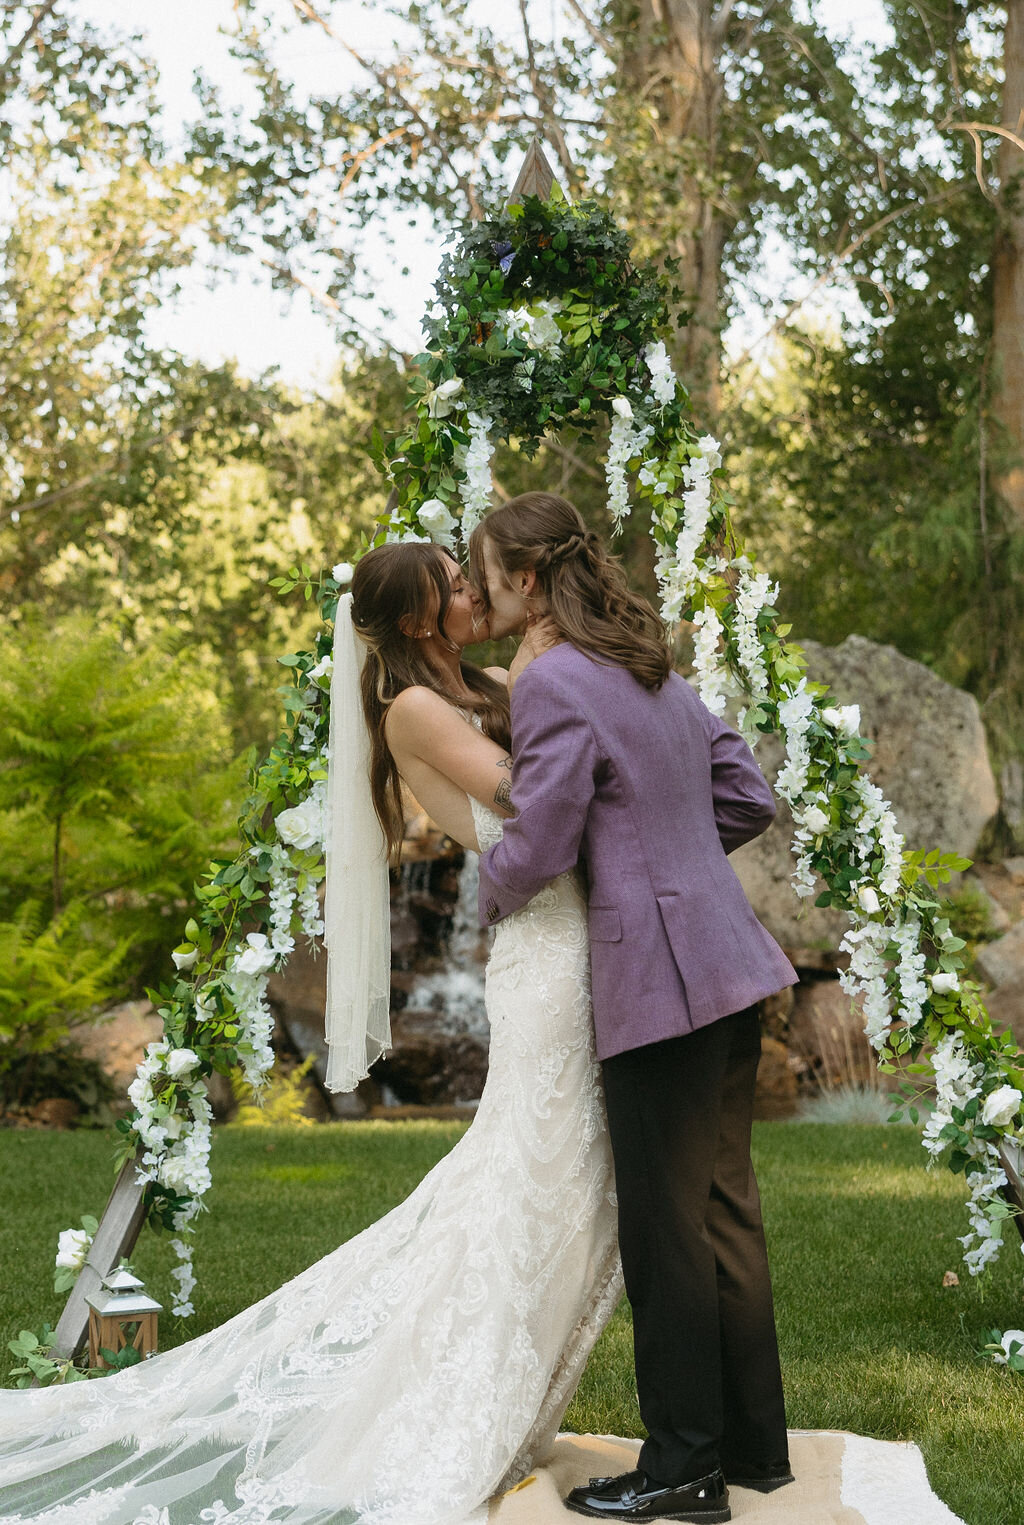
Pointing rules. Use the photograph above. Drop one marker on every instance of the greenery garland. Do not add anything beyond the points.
(542, 319)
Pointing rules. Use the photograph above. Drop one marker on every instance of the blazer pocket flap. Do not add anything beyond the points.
(604, 924)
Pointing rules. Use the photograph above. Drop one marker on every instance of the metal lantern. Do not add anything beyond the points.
(121, 1313)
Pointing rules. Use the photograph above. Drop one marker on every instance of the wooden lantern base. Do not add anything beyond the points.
(116, 1333)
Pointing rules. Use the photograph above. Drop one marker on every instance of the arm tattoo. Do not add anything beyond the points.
(503, 794)
(504, 762)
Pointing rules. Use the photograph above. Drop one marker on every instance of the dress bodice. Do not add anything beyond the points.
(489, 824)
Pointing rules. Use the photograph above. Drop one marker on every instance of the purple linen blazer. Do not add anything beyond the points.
(652, 791)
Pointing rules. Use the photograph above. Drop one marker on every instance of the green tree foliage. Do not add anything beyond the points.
(116, 784)
(697, 121)
(872, 452)
(160, 494)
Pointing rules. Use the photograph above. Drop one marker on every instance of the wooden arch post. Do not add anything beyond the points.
(115, 1239)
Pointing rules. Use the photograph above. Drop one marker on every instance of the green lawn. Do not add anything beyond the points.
(860, 1236)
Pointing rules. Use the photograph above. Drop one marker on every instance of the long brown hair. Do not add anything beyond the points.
(584, 586)
(389, 582)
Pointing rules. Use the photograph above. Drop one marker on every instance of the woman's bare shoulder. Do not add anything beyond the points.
(417, 700)
(419, 706)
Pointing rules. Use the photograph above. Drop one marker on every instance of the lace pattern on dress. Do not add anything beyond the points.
(421, 1366)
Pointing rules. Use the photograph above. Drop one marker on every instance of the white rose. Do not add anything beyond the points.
(173, 1173)
(255, 956)
(623, 407)
(1000, 1108)
(343, 572)
(437, 521)
(302, 825)
(440, 400)
(844, 718)
(323, 669)
(72, 1248)
(185, 956)
(945, 984)
(869, 901)
(816, 820)
(1009, 1338)
(140, 1092)
(180, 1061)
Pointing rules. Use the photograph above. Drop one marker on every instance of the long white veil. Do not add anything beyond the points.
(357, 910)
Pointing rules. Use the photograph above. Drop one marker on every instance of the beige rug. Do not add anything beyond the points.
(840, 1480)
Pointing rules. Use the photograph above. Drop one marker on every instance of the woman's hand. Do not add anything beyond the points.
(540, 636)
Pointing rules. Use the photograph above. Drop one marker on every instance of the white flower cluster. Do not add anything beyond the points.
(796, 711)
(176, 1143)
(535, 326)
(876, 832)
(184, 1272)
(474, 461)
(280, 899)
(958, 1080)
(310, 919)
(246, 979)
(305, 827)
(625, 442)
(678, 570)
(803, 876)
(866, 977)
(714, 679)
(910, 971)
(663, 380)
(754, 592)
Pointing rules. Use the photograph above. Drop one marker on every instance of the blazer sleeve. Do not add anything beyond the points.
(744, 803)
(554, 761)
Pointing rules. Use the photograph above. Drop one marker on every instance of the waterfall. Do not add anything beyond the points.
(455, 992)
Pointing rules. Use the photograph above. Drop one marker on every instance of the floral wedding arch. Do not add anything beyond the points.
(543, 319)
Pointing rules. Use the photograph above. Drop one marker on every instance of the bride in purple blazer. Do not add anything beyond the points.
(618, 765)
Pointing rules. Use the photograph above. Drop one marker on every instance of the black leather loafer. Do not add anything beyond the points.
(761, 1479)
(635, 1496)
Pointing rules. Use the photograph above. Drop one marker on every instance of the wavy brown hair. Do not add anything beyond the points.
(585, 588)
(390, 582)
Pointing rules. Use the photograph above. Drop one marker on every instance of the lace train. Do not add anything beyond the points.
(419, 1368)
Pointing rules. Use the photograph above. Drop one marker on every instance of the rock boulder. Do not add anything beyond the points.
(1002, 962)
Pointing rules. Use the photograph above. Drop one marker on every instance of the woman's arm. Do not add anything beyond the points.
(443, 758)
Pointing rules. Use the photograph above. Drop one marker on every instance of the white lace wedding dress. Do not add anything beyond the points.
(418, 1369)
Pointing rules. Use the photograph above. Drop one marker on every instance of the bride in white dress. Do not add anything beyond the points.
(426, 1364)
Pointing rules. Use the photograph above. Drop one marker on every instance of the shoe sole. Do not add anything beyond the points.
(703, 1517)
(760, 1485)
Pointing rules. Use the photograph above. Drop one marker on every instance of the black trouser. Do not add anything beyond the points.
(693, 1251)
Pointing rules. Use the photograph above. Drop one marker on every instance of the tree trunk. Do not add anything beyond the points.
(671, 51)
(1008, 276)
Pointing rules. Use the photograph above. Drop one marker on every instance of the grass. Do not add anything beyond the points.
(860, 1236)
